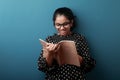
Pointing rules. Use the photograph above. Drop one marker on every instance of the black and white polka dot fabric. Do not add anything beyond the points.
(67, 71)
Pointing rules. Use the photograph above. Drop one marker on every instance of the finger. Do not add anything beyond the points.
(57, 48)
(50, 47)
(47, 44)
(54, 46)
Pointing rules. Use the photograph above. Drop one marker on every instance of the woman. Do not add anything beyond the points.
(64, 23)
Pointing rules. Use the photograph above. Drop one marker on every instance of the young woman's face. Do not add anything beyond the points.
(63, 25)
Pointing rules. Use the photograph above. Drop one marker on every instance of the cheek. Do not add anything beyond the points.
(56, 28)
(69, 29)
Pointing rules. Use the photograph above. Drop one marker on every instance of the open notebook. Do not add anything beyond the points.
(67, 53)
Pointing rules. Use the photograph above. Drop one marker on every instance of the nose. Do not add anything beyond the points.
(62, 27)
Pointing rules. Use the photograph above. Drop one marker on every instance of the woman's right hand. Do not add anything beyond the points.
(49, 52)
(52, 48)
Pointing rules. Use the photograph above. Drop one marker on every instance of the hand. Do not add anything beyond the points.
(52, 48)
(80, 58)
(49, 50)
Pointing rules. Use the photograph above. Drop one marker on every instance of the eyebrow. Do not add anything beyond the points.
(62, 23)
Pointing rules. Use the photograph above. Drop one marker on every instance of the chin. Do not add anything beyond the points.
(63, 34)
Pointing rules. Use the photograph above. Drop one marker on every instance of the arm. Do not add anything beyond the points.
(48, 56)
(45, 59)
(42, 63)
(87, 63)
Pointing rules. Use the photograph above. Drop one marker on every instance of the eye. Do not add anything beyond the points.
(66, 23)
(57, 24)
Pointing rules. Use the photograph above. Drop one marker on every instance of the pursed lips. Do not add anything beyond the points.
(62, 30)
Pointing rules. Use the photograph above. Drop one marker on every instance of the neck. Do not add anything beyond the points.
(65, 34)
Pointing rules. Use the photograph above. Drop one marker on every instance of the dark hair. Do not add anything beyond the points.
(67, 12)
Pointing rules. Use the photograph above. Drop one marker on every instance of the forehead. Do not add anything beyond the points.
(61, 19)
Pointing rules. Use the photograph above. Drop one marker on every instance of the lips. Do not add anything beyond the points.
(63, 32)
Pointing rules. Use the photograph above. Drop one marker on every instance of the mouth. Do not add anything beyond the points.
(63, 32)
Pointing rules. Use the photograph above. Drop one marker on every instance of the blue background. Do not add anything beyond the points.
(23, 22)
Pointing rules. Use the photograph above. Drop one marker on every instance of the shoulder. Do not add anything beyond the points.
(79, 36)
(50, 38)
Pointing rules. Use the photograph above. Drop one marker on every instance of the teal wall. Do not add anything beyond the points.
(23, 22)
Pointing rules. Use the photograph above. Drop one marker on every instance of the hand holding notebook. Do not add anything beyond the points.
(67, 53)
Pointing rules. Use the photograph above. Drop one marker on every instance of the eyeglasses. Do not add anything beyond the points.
(65, 24)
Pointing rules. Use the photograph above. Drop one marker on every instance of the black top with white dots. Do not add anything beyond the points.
(68, 71)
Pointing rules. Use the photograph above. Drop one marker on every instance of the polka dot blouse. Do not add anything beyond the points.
(68, 71)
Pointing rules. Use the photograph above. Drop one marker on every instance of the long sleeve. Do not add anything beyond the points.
(88, 62)
(42, 63)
